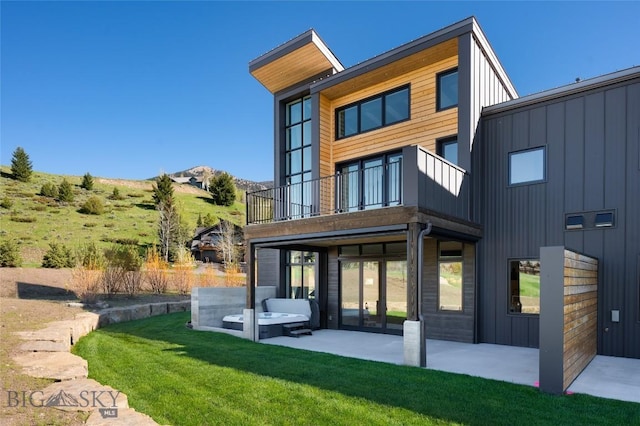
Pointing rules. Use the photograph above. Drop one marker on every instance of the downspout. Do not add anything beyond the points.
(426, 231)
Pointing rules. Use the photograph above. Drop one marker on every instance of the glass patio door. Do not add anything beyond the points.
(363, 304)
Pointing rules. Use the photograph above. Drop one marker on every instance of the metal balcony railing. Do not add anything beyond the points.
(368, 188)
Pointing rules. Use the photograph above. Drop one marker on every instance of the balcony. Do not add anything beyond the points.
(421, 179)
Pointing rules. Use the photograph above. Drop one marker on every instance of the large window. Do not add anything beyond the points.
(524, 286)
(370, 183)
(447, 148)
(372, 113)
(527, 166)
(301, 275)
(450, 276)
(298, 157)
(447, 89)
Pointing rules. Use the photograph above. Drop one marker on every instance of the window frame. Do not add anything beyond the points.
(508, 287)
(358, 105)
(451, 259)
(439, 87)
(442, 142)
(526, 150)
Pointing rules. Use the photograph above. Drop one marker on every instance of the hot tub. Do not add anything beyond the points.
(270, 323)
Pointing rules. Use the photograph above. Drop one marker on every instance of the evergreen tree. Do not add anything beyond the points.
(21, 165)
(87, 182)
(208, 220)
(65, 191)
(223, 190)
(49, 190)
(199, 222)
(163, 190)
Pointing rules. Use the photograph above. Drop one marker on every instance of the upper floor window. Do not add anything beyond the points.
(527, 166)
(372, 113)
(447, 90)
(447, 148)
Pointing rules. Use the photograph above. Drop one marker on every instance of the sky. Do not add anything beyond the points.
(130, 90)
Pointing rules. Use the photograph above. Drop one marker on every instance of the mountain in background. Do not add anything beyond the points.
(203, 171)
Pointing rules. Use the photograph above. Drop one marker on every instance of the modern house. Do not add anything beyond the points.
(415, 191)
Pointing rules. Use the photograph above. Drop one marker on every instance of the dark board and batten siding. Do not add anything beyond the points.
(592, 164)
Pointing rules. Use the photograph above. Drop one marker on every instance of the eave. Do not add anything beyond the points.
(297, 60)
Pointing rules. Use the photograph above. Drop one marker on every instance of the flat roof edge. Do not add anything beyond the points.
(309, 36)
(566, 90)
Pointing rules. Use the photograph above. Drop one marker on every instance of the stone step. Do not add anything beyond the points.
(52, 365)
(299, 332)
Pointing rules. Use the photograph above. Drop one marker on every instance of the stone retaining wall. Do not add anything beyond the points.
(46, 354)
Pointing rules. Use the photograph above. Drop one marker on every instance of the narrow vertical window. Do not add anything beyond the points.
(447, 89)
(450, 276)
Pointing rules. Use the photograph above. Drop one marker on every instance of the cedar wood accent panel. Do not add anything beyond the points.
(425, 126)
(580, 314)
(300, 64)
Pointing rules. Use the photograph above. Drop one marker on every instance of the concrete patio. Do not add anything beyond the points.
(606, 377)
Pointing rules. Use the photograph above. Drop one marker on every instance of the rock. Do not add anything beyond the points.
(121, 416)
(51, 339)
(182, 306)
(52, 365)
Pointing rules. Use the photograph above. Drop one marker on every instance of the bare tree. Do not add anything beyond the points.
(169, 227)
(227, 243)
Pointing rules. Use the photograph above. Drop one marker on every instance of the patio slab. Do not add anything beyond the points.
(606, 377)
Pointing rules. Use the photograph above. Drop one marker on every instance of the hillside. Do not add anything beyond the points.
(243, 184)
(34, 221)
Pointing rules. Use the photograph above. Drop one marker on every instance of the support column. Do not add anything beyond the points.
(414, 342)
(250, 328)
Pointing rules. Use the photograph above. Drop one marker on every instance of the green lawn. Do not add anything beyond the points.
(184, 377)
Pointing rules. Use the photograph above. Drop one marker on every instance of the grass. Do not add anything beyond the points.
(184, 377)
(34, 221)
(529, 285)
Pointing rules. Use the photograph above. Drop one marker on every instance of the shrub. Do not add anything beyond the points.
(49, 190)
(90, 256)
(15, 217)
(183, 276)
(6, 203)
(122, 270)
(58, 256)
(65, 191)
(39, 208)
(10, 254)
(85, 283)
(90, 225)
(92, 206)
(155, 271)
(87, 182)
(115, 195)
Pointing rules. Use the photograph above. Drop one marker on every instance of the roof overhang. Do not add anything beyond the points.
(297, 60)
